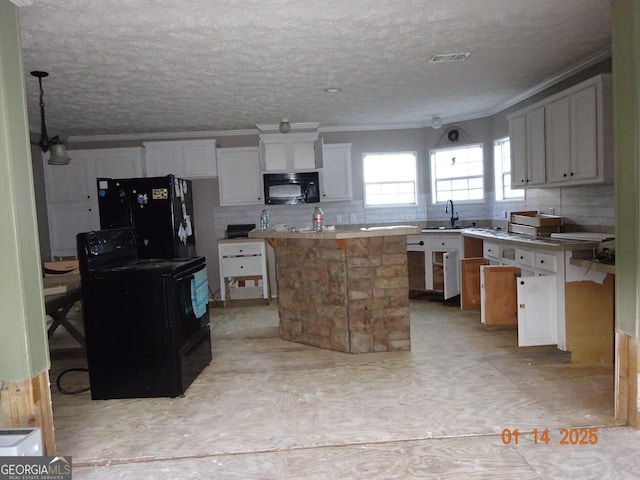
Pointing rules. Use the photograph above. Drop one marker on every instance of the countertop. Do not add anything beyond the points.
(338, 233)
(529, 241)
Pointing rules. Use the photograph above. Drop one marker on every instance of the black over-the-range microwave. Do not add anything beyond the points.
(291, 188)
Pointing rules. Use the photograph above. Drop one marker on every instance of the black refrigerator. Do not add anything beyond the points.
(160, 209)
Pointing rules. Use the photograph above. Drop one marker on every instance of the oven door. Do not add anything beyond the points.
(192, 309)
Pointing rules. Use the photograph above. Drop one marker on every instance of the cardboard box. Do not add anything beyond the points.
(535, 219)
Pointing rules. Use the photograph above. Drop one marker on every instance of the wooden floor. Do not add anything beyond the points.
(270, 409)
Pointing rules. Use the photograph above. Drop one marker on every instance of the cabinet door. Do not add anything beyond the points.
(558, 141)
(518, 141)
(450, 261)
(239, 176)
(584, 134)
(416, 267)
(162, 158)
(535, 147)
(537, 311)
(66, 220)
(336, 172)
(275, 157)
(470, 282)
(70, 183)
(303, 155)
(498, 295)
(199, 158)
(117, 163)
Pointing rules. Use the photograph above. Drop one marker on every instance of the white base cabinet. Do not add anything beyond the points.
(243, 269)
(434, 263)
(537, 311)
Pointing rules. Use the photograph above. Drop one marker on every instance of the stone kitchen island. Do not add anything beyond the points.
(344, 290)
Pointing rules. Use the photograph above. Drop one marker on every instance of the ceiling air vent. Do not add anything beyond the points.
(449, 57)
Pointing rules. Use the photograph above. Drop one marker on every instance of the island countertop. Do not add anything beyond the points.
(339, 233)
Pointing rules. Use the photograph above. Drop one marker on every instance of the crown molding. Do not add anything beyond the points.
(21, 3)
(569, 72)
(162, 135)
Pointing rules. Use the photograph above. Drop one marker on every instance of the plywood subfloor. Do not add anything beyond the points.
(266, 408)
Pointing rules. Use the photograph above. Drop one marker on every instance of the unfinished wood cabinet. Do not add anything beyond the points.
(499, 300)
(470, 282)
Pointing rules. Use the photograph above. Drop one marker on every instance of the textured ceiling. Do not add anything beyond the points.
(143, 66)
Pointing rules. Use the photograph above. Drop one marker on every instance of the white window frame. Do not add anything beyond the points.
(391, 183)
(435, 179)
(502, 168)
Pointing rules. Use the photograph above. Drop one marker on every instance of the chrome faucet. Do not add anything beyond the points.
(453, 219)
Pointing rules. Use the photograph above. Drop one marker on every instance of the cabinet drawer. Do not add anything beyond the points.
(447, 243)
(491, 250)
(239, 249)
(417, 243)
(241, 266)
(524, 257)
(545, 261)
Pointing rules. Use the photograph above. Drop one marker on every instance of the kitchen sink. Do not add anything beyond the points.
(440, 229)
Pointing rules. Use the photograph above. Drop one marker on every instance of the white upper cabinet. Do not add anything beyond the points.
(526, 132)
(183, 158)
(335, 183)
(72, 204)
(564, 139)
(239, 176)
(290, 152)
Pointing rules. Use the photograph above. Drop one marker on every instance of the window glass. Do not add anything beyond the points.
(502, 168)
(457, 173)
(389, 178)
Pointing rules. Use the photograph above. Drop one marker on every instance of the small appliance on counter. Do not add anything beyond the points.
(146, 320)
(160, 209)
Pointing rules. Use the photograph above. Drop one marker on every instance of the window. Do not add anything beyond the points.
(389, 178)
(457, 174)
(502, 168)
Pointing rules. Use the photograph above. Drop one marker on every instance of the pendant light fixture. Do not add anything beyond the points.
(58, 150)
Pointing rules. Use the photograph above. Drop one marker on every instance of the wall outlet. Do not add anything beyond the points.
(552, 210)
(504, 214)
(409, 216)
(352, 218)
(339, 219)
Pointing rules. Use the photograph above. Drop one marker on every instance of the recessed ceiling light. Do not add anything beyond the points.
(333, 90)
(449, 57)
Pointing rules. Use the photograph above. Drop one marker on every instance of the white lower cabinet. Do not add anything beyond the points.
(434, 263)
(537, 311)
(243, 269)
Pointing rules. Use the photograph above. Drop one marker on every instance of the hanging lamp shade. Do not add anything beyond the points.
(57, 149)
(59, 155)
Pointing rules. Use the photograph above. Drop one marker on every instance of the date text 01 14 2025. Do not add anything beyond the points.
(569, 436)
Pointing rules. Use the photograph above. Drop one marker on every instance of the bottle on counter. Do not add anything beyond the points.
(318, 219)
(264, 220)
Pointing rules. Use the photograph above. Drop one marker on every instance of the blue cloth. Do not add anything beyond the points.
(199, 292)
